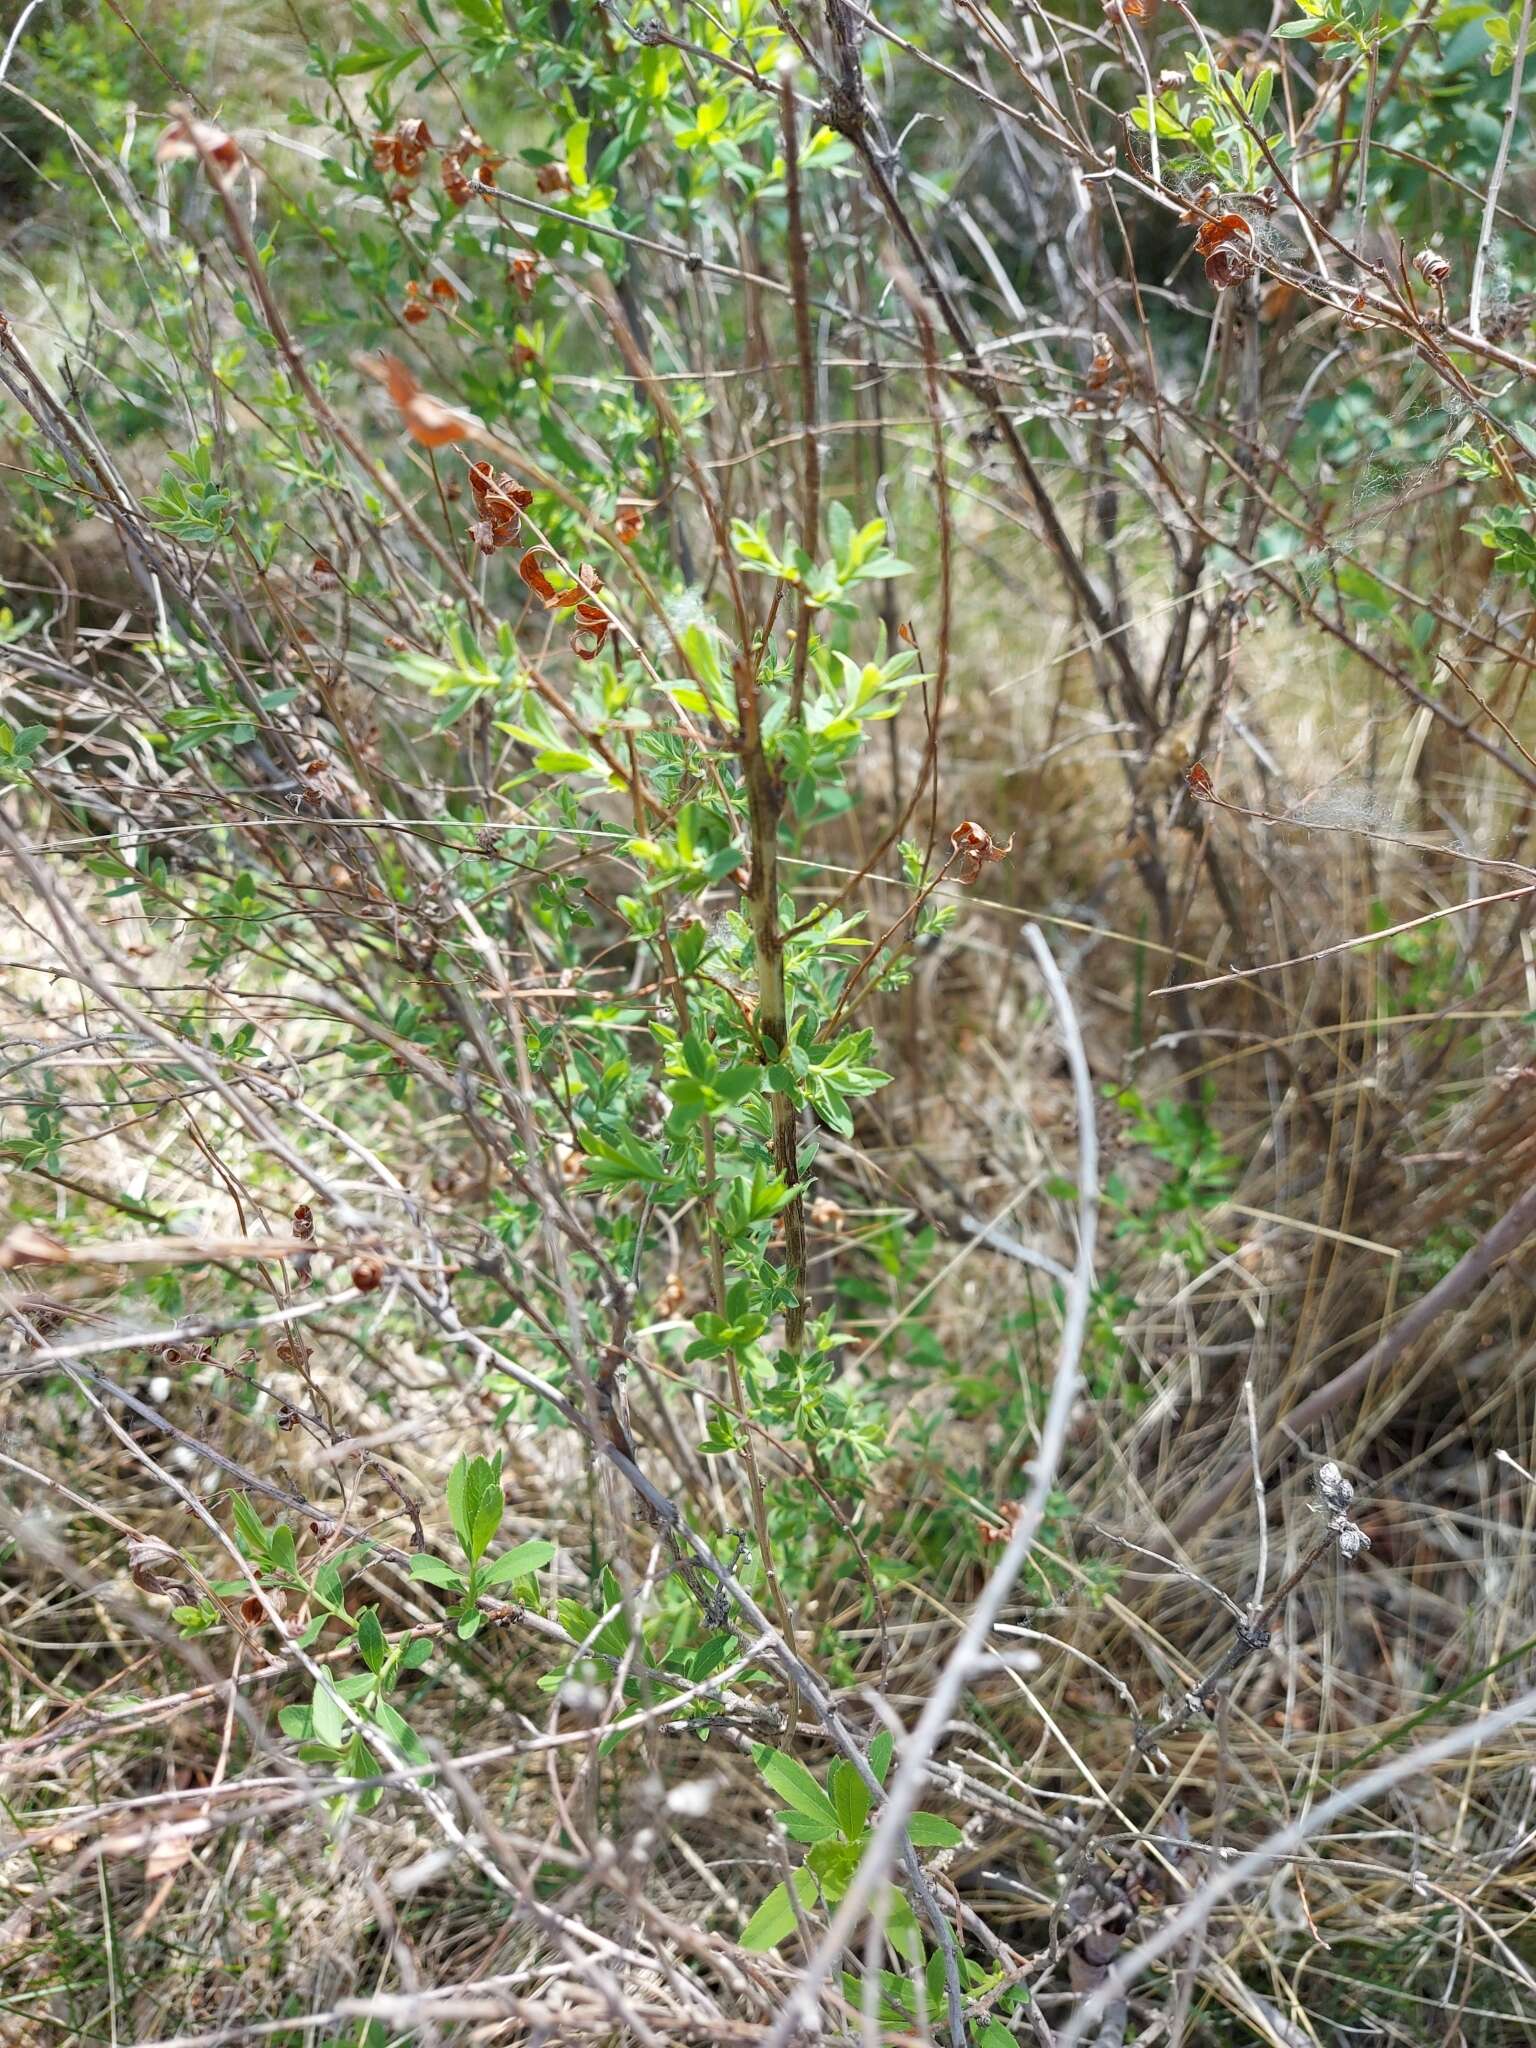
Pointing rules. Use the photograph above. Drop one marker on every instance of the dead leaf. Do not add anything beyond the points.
(25, 1246)
(427, 419)
(188, 138)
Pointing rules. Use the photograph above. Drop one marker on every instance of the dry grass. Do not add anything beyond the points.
(1292, 1159)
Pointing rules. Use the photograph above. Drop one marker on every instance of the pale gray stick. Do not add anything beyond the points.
(1501, 164)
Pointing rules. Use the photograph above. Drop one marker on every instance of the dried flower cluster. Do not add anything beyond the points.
(403, 151)
(422, 300)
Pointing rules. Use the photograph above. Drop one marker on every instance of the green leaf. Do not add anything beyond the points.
(801, 1828)
(931, 1831)
(400, 1732)
(282, 1549)
(833, 1864)
(488, 1512)
(794, 1784)
(880, 1752)
(249, 1529)
(433, 1571)
(576, 139)
(330, 1723)
(457, 1480)
(519, 1562)
(371, 1645)
(775, 1917)
(850, 1795)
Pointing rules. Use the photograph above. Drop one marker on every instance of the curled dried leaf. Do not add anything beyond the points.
(322, 573)
(552, 179)
(1227, 246)
(155, 1568)
(188, 138)
(444, 293)
(24, 1246)
(412, 141)
(367, 1273)
(1198, 780)
(426, 419)
(523, 273)
(528, 568)
(1432, 267)
(628, 521)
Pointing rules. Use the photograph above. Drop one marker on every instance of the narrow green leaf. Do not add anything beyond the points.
(850, 1795)
(517, 1563)
(249, 1528)
(434, 1571)
(457, 1480)
(330, 1723)
(371, 1644)
(931, 1831)
(775, 1917)
(794, 1784)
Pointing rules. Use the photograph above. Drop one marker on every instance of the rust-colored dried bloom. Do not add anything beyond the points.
(552, 179)
(367, 1273)
(590, 622)
(523, 273)
(416, 307)
(500, 501)
(412, 141)
(1227, 246)
(974, 846)
(322, 573)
